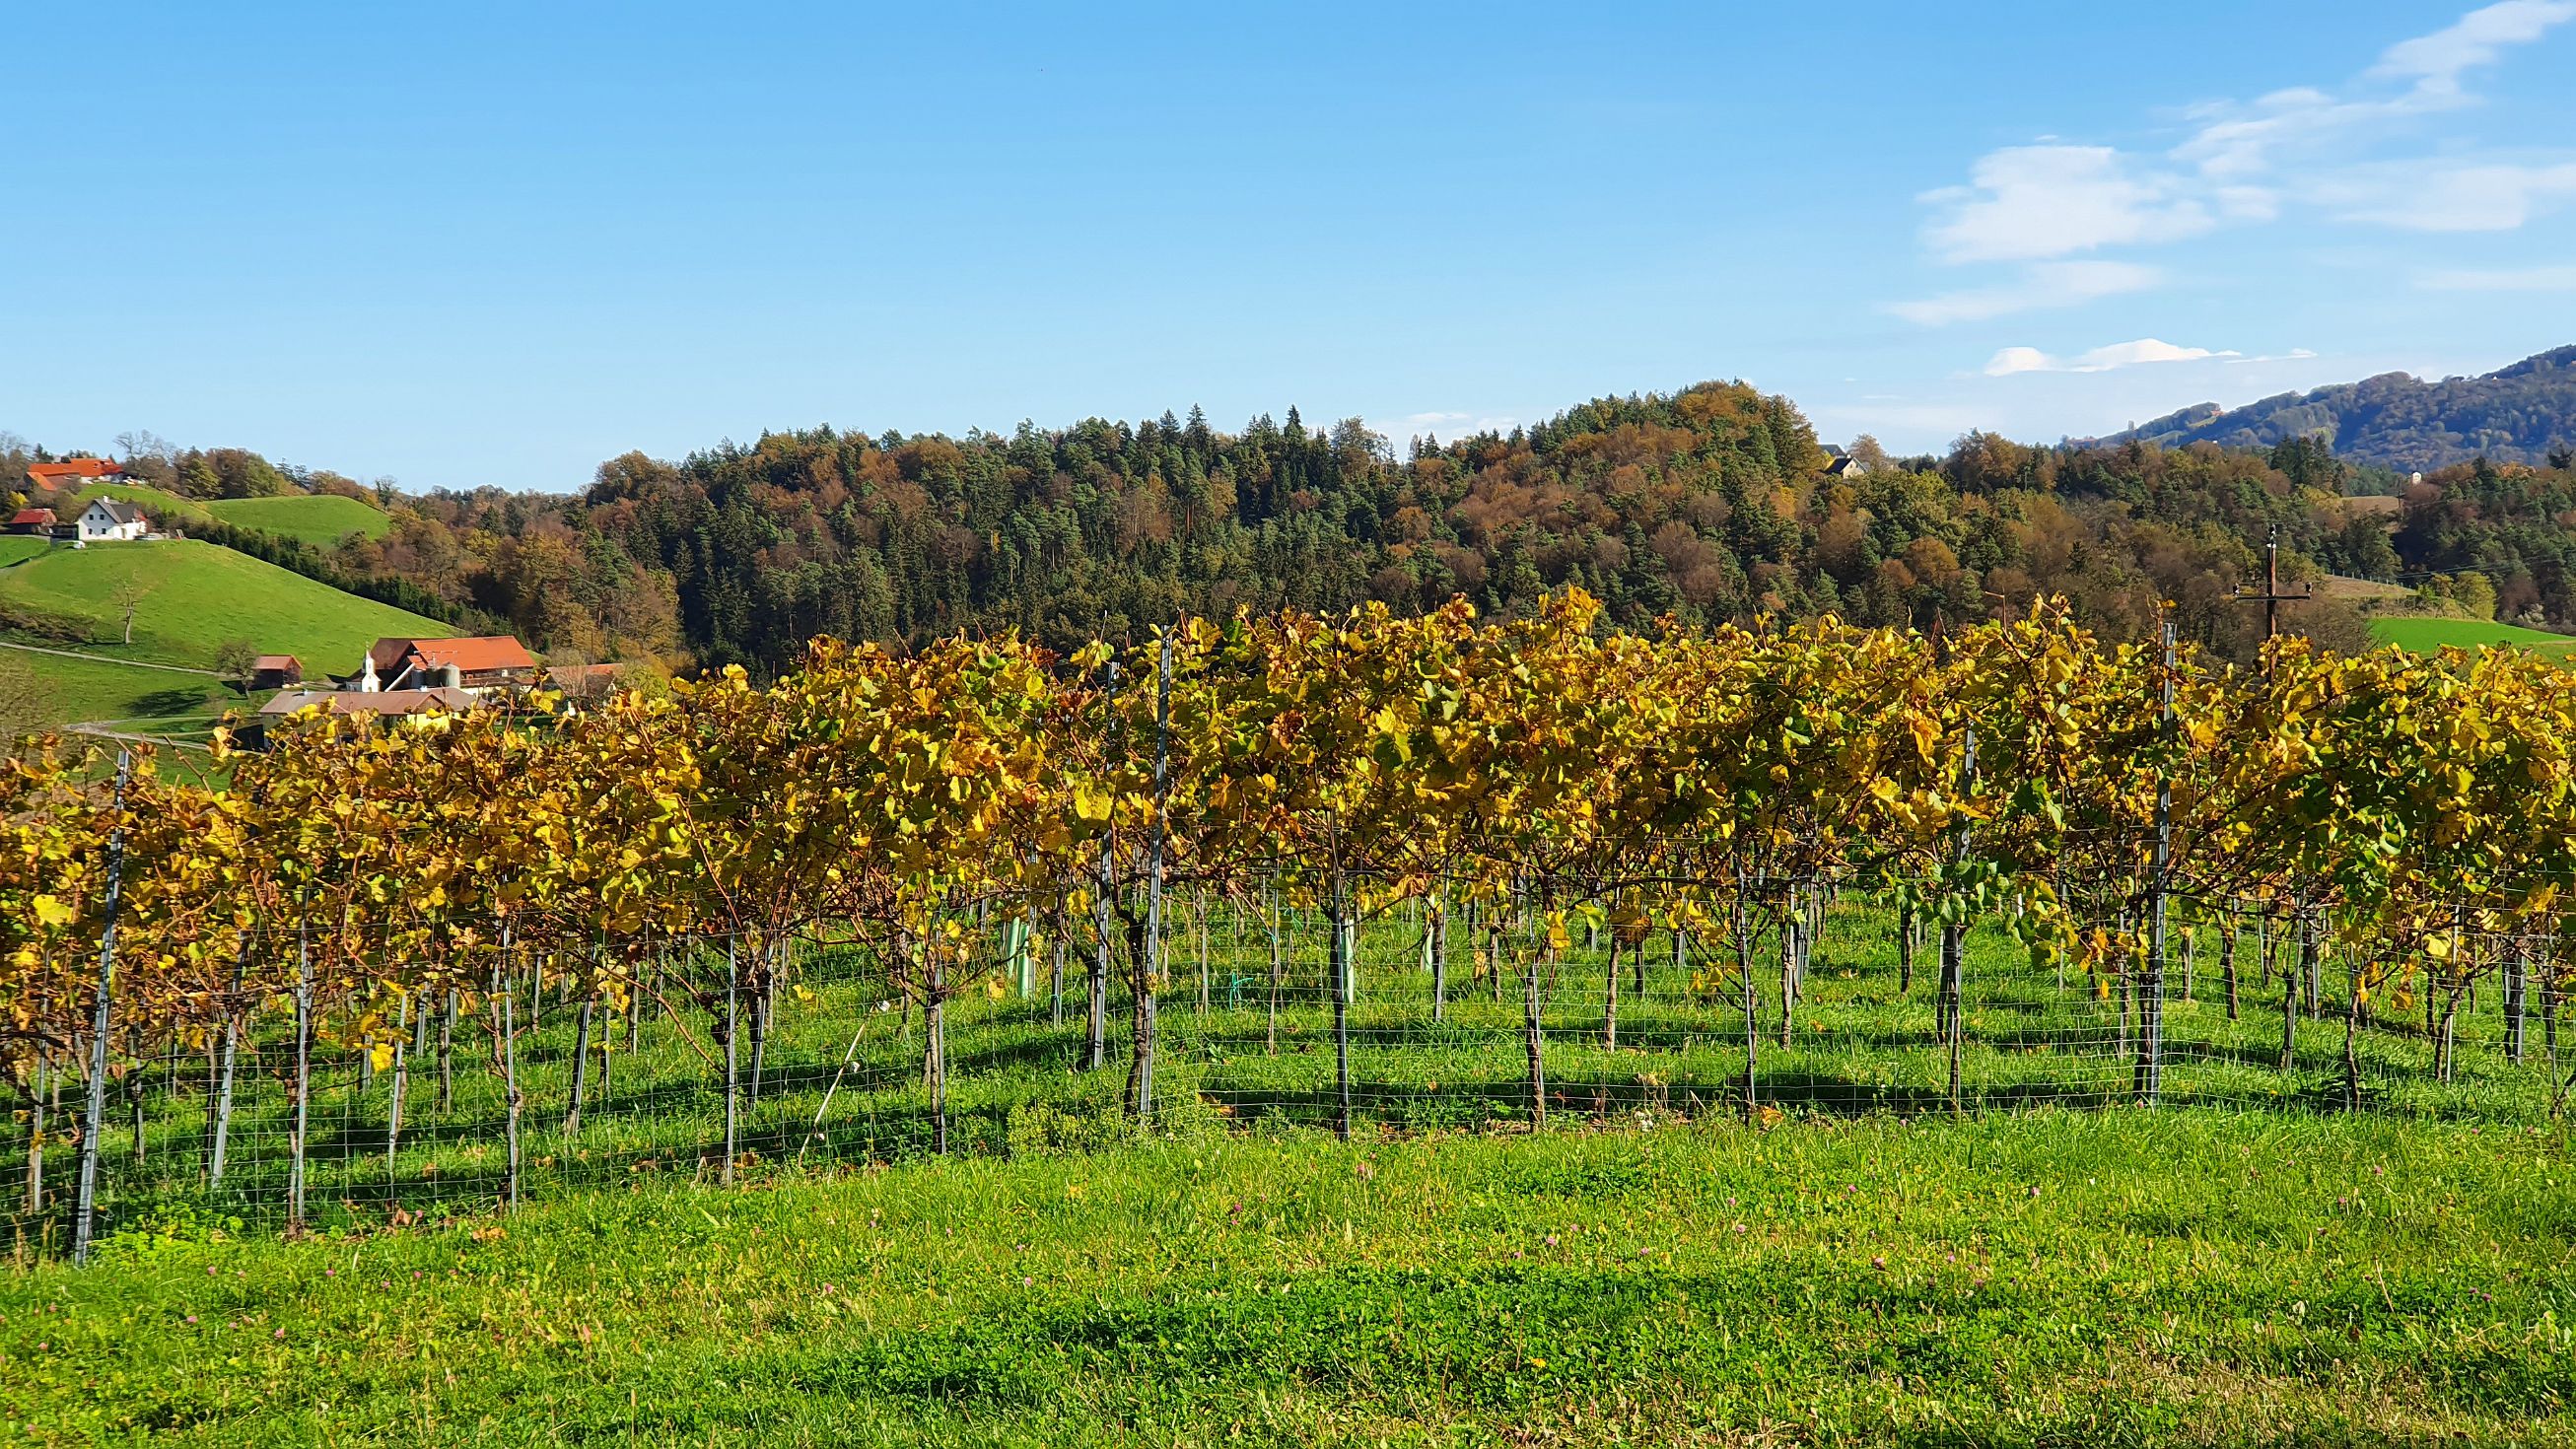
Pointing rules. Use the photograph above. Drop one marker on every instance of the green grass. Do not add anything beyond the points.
(145, 701)
(162, 508)
(2429, 635)
(321, 519)
(18, 548)
(2058, 1278)
(2238, 1266)
(197, 597)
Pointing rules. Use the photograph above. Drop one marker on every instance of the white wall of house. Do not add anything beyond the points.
(97, 524)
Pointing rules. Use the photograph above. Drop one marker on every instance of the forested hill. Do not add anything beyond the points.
(2519, 414)
(1713, 503)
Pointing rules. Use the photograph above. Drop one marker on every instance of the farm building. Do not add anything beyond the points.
(276, 671)
(488, 662)
(112, 520)
(38, 521)
(384, 703)
(73, 472)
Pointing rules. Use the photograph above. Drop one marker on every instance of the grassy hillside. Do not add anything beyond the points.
(195, 597)
(130, 699)
(18, 547)
(321, 519)
(2426, 636)
(144, 700)
(163, 508)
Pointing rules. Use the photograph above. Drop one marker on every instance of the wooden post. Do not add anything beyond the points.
(733, 1078)
(2516, 988)
(1270, 916)
(1790, 924)
(1095, 1045)
(1904, 949)
(763, 980)
(1341, 990)
(85, 1211)
(1610, 999)
(1055, 972)
(505, 1044)
(220, 1104)
(2290, 989)
(2151, 1000)
(1140, 1075)
(580, 1062)
(1752, 1004)
(2227, 963)
(447, 1055)
(36, 1133)
(935, 1047)
(394, 1100)
(1440, 960)
(1954, 940)
(302, 1117)
(1535, 1035)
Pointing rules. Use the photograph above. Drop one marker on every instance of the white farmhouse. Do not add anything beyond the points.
(111, 519)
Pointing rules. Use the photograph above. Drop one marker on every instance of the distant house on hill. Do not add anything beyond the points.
(276, 671)
(494, 661)
(39, 521)
(1839, 464)
(73, 472)
(112, 520)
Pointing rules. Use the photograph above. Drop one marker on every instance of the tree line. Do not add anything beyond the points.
(1715, 504)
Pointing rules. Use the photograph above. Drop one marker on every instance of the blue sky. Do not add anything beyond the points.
(468, 244)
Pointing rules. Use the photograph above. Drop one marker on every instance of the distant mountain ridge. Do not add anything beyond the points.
(2516, 414)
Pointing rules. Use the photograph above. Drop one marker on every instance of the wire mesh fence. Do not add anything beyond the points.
(713, 1058)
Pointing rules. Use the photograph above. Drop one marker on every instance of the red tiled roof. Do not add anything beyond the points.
(277, 661)
(470, 656)
(48, 473)
(26, 516)
(492, 652)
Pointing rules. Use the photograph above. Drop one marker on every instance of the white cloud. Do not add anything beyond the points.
(2246, 163)
(2042, 285)
(2519, 279)
(2434, 62)
(2444, 196)
(2025, 203)
(2014, 360)
(2237, 141)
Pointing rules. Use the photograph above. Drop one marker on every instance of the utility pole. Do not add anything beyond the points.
(2272, 598)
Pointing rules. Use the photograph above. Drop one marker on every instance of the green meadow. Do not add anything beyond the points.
(2055, 1264)
(320, 519)
(2431, 635)
(191, 598)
